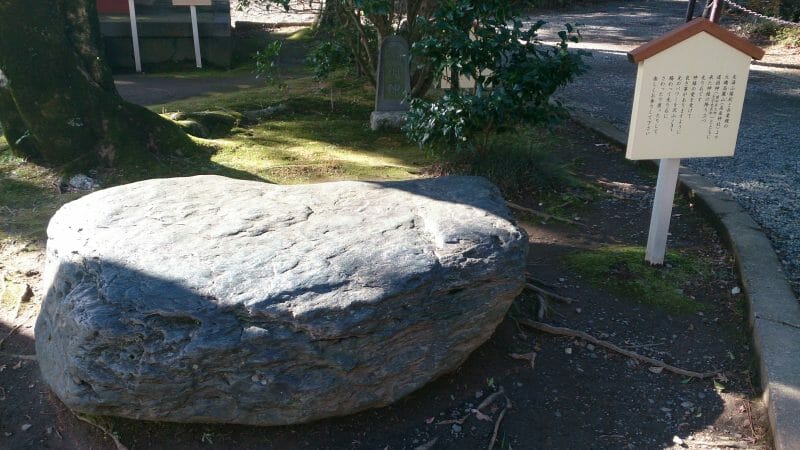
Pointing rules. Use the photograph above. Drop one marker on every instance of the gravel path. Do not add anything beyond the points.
(300, 12)
(764, 175)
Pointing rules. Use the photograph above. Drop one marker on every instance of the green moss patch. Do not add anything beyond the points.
(622, 270)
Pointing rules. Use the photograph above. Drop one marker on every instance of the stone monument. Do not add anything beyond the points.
(393, 85)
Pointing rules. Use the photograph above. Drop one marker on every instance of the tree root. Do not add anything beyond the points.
(543, 215)
(561, 331)
(497, 424)
(105, 430)
(477, 411)
(13, 330)
(550, 294)
(488, 400)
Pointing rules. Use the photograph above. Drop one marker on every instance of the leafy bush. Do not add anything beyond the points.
(788, 36)
(514, 74)
(327, 57)
(520, 166)
(266, 61)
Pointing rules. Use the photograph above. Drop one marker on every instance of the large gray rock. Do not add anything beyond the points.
(207, 299)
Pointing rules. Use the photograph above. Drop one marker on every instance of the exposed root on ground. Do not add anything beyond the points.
(543, 215)
(481, 416)
(428, 445)
(13, 330)
(561, 331)
(497, 424)
(525, 357)
(105, 430)
(550, 294)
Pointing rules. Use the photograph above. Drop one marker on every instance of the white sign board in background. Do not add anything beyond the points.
(191, 2)
(688, 100)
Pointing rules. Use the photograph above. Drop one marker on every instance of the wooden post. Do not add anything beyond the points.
(690, 10)
(196, 37)
(137, 59)
(662, 210)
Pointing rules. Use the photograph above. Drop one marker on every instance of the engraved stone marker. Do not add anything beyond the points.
(690, 87)
(394, 84)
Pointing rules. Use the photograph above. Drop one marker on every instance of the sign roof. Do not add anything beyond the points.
(688, 30)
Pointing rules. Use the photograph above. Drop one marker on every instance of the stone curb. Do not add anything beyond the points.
(774, 312)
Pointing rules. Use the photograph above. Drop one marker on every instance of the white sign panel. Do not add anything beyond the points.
(191, 2)
(688, 100)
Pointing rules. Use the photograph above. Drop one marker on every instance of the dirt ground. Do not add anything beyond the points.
(570, 395)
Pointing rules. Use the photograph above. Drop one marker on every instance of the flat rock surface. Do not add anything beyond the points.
(207, 299)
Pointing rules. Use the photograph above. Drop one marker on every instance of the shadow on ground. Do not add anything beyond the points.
(575, 396)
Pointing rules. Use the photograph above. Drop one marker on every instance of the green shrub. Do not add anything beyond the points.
(265, 60)
(514, 74)
(788, 36)
(519, 166)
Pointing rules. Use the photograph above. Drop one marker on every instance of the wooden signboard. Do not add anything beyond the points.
(690, 88)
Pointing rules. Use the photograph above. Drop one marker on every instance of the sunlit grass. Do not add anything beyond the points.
(320, 133)
(622, 270)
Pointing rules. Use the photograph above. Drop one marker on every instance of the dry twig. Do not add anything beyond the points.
(526, 357)
(497, 424)
(488, 400)
(533, 279)
(477, 411)
(428, 445)
(722, 444)
(4, 287)
(456, 421)
(561, 331)
(16, 327)
(550, 294)
(542, 306)
(543, 215)
(105, 430)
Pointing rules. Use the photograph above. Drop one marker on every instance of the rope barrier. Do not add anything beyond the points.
(735, 5)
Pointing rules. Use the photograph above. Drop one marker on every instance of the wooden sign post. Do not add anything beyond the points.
(690, 86)
(137, 58)
(193, 4)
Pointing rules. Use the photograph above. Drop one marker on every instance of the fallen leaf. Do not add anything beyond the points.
(656, 369)
(25, 427)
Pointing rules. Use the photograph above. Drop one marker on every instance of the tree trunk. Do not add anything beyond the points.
(58, 103)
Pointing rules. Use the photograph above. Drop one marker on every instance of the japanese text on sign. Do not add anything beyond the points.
(679, 98)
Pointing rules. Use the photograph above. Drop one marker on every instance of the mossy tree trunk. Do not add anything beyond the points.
(58, 103)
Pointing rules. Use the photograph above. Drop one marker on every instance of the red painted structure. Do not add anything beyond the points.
(112, 6)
